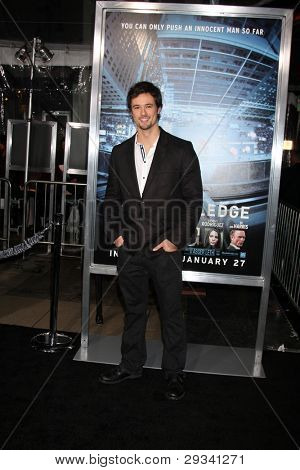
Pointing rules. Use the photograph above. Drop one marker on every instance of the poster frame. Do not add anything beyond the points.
(10, 165)
(263, 280)
(69, 168)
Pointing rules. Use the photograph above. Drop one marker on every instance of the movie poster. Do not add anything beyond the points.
(218, 77)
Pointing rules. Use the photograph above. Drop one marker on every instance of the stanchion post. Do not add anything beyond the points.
(55, 273)
(53, 341)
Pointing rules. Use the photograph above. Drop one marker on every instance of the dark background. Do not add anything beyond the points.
(72, 22)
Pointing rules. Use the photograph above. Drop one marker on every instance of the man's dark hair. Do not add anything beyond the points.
(144, 87)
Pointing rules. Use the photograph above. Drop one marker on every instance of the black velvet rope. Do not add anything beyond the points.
(25, 245)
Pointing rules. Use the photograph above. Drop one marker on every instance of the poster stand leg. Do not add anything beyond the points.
(98, 285)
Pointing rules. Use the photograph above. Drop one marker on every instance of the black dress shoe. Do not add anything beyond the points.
(118, 375)
(175, 388)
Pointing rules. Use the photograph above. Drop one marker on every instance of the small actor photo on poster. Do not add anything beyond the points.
(197, 241)
(237, 239)
(213, 238)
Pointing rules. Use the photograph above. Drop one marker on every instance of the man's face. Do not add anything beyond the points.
(144, 111)
(238, 238)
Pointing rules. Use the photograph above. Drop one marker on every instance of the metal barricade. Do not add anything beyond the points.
(43, 199)
(5, 205)
(286, 259)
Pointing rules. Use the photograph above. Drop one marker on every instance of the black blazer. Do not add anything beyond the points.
(170, 206)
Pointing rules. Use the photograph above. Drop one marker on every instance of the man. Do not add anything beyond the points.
(289, 183)
(152, 205)
(237, 239)
(2, 155)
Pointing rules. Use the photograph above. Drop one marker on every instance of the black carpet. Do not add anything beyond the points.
(49, 401)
